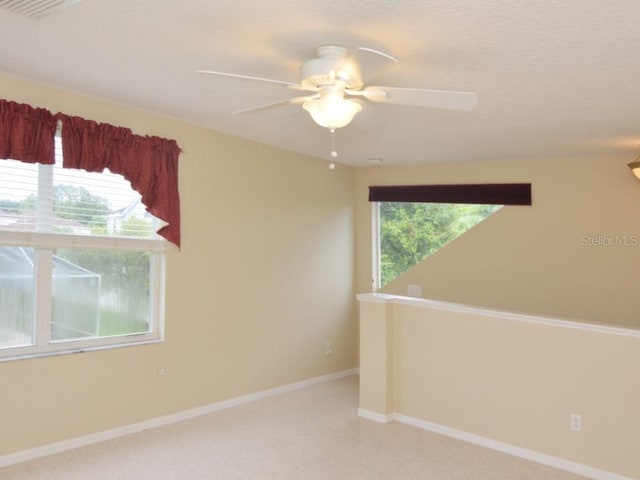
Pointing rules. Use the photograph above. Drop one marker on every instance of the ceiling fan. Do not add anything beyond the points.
(336, 88)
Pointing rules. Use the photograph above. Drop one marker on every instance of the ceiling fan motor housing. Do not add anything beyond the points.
(333, 64)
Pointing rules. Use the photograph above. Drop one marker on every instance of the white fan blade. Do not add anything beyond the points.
(294, 100)
(420, 97)
(378, 52)
(249, 77)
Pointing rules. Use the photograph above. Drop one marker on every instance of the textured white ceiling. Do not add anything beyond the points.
(555, 78)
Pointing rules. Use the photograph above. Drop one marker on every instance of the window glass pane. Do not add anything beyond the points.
(63, 200)
(16, 296)
(410, 232)
(100, 292)
(18, 191)
(98, 203)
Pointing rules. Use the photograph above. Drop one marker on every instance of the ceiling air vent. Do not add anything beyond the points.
(36, 8)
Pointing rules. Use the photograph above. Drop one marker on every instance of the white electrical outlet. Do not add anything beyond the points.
(575, 422)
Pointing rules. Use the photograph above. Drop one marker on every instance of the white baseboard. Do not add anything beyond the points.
(53, 448)
(555, 462)
(376, 417)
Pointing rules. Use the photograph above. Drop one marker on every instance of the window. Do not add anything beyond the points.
(80, 264)
(412, 222)
(407, 233)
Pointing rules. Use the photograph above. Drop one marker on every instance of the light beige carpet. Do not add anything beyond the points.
(307, 434)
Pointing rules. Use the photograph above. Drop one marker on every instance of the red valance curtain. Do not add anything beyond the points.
(149, 163)
(26, 133)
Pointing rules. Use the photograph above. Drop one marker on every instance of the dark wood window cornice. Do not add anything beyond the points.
(483, 193)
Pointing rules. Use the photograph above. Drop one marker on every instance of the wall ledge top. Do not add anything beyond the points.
(503, 314)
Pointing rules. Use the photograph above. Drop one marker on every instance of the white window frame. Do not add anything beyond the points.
(45, 244)
(375, 246)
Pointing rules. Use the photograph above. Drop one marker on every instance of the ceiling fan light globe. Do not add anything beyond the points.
(635, 168)
(330, 112)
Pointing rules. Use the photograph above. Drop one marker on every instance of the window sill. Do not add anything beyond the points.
(77, 350)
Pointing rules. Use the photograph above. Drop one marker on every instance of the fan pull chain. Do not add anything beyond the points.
(334, 153)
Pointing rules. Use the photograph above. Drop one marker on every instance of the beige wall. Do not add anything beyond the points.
(264, 279)
(267, 271)
(507, 379)
(529, 259)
